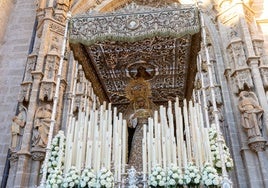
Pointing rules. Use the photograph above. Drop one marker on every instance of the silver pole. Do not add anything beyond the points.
(226, 182)
(203, 90)
(55, 103)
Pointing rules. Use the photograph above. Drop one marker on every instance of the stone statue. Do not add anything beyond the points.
(41, 126)
(18, 123)
(251, 114)
(137, 114)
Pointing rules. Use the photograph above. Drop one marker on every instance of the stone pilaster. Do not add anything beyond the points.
(40, 77)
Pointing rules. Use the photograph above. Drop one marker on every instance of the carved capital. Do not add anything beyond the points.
(13, 157)
(38, 154)
(257, 144)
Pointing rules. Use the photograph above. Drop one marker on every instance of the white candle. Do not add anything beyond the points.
(179, 134)
(174, 156)
(164, 152)
(89, 154)
(149, 151)
(144, 157)
(168, 150)
(97, 159)
(119, 161)
(184, 155)
(79, 156)
(124, 146)
(153, 153)
(187, 131)
(159, 144)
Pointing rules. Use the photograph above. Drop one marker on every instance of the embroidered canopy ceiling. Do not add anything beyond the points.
(158, 44)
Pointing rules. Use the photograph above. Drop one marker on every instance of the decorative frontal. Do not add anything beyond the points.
(134, 23)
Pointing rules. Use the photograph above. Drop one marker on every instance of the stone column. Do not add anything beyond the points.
(13, 168)
(38, 156)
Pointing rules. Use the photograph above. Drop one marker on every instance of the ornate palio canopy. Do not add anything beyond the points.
(158, 44)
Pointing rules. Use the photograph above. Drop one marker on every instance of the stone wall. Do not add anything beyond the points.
(6, 7)
(13, 54)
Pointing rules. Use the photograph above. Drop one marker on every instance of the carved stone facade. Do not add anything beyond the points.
(145, 44)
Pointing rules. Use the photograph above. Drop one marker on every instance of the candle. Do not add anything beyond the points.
(159, 145)
(149, 151)
(119, 160)
(184, 155)
(153, 153)
(168, 150)
(174, 156)
(187, 131)
(79, 156)
(179, 131)
(89, 154)
(144, 157)
(124, 156)
(164, 152)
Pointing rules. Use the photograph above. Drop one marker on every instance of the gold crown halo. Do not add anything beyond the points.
(138, 88)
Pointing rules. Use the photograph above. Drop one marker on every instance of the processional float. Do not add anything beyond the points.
(178, 148)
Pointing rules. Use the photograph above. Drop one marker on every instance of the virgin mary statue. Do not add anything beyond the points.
(139, 110)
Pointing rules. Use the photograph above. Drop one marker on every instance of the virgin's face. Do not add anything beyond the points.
(140, 103)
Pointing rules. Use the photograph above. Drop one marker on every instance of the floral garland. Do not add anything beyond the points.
(210, 177)
(56, 161)
(157, 178)
(175, 177)
(192, 175)
(88, 178)
(215, 153)
(105, 178)
(71, 178)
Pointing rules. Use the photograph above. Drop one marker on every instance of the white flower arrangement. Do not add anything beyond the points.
(88, 178)
(210, 177)
(215, 153)
(192, 175)
(174, 177)
(157, 178)
(57, 152)
(105, 178)
(54, 179)
(71, 178)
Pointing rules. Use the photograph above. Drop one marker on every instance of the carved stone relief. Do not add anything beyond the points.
(30, 66)
(237, 56)
(27, 80)
(251, 118)
(42, 121)
(259, 51)
(241, 79)
(25, 92)
(264, 75)
(47, 90)
(48, 84)
(17, 128)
